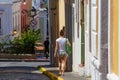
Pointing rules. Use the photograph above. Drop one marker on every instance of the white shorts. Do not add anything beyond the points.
(62, 54)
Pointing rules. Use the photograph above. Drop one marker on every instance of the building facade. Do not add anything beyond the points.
(96, 39)
(114, 40)
(101, 28)
(10, 18)
(102, 39)
(78, 37)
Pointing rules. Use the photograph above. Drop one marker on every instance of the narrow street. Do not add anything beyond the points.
(29, 71)
(22, 76)
(34, 35)
(22, 71)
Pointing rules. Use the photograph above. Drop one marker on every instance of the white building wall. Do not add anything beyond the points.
(8, 10)
(87, 53)
(99, 57)
(94, 57)
(16, 13)
(76, 41)
(6, 13)
(109, 56)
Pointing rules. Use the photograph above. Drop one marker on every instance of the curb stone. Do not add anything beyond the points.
(51, 75)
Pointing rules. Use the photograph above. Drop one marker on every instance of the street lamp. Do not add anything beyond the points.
(33, 12)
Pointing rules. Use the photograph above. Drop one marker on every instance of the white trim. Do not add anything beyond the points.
(99, 29)
(112, 77)
(109, 56)
(93, 15)
(76, 57)
(87, 54)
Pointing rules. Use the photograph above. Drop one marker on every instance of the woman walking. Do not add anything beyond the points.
(60, 52)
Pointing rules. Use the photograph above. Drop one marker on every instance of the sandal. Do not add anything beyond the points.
(62, 73)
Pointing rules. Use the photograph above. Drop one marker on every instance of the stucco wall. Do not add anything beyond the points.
(8, 11)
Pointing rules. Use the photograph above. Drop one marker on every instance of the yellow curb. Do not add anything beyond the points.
(42, 69)
(51, 75)
(59, 78)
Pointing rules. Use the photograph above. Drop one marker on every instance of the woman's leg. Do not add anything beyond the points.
(65, 60)
(63, 67)
(59, 64)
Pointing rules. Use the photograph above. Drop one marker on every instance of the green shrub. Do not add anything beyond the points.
(25, 44)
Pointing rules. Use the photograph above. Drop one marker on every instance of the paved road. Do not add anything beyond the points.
(22, 71)
(22, 76)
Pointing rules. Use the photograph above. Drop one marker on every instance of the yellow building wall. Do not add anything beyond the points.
(61, 14)
(115, 36)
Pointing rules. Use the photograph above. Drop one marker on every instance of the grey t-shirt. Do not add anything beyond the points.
(61, 43)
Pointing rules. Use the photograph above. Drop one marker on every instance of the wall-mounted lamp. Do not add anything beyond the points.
(33, 13)
(14, 32)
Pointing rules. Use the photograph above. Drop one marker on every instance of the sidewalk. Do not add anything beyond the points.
(38, 59)
(53, 72)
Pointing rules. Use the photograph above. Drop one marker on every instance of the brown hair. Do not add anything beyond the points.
(61, 33)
